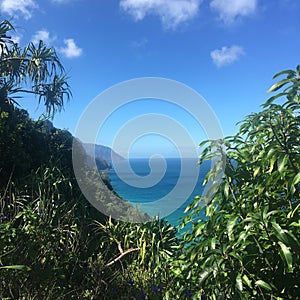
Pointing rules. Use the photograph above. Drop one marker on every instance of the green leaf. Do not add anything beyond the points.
(280, 233)
(292, 212)
(203, 143)
(199, 229)
(263, 285)
(296, 179)
(230, 225)
(288, 72)
(272, 162)
(205, 273)
(278, 85)
(193, 255)
(17, 267)
(177, 271)
(247, 280)
(286, 256)
(226, 189)
(256, 171)
(282, 160)
(239, 283)
(272, 99)
(295, 224)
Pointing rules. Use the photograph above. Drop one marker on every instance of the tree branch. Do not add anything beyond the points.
(122, 253)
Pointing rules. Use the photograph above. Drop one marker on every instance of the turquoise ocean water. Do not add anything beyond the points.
(171, 174)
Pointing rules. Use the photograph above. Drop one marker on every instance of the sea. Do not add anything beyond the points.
(159, 187)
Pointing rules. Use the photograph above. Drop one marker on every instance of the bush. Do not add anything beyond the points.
(249, 247)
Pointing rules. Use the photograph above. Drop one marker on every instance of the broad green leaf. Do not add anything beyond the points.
(256, 171)
(239, 283)
(282, 160)
(247, 280)
(296, 179)
(272, 99)
(203, 143)
(199, 229)
(263, 284)
(294, 243)
(226, 189)
(280, 233)
(278, 85)
(286, 256)
(235, 255)
(230, 225)
(288, 72)
(272, 162)
(213, 243)
(295, 224)
(205, 273)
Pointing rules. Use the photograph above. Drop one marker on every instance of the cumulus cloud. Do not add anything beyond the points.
(71, 50)
(229, 10)
(43, 35)
(15, 8)
(172, 13)
(226, 55)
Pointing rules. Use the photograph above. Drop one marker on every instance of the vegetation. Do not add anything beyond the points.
(32, 69)
(249, 247)
(50, 245)
(55, 245)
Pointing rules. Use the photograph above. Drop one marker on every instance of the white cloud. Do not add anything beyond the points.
(171, 12)
(16, 38)
(43, 35)
(229, 10)
(71, 49)
(226, 55)
(16, 7)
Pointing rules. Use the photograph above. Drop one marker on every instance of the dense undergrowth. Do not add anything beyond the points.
(55, 245)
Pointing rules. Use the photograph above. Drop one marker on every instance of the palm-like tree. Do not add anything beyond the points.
(33, 69)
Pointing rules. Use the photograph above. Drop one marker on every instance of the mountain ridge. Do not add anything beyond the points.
(104, 155)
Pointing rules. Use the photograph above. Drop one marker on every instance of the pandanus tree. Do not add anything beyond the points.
(31, 70)
(34, 69)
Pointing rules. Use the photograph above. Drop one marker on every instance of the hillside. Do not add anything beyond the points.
(102, 152)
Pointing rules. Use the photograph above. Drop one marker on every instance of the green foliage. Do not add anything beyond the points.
(249, 246)
(32, 69)
(137, 257)
(55, 245)
(20, 138)
(48, 248)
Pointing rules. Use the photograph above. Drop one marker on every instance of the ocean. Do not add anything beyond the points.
(159, 187)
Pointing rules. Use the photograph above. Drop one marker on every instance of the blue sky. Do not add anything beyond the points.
(226, 50)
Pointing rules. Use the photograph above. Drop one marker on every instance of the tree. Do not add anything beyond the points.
(249, 245)
(30, 70)
(33, 69)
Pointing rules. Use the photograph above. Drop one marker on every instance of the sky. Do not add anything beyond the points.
(225, 50)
